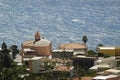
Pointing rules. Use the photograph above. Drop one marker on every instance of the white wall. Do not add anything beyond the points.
(36, 66)
(110, 61)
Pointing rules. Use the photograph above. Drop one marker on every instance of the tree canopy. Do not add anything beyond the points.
(14, 51)
(85, 39)
(5, 56)
(4, 46)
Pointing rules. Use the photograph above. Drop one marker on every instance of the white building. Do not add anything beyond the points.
(104, 63)
(106, 77)
(113, 71)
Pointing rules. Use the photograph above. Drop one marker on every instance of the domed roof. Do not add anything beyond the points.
(42, 42)
(72, 46)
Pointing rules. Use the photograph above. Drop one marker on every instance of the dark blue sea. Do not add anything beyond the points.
(61, 21)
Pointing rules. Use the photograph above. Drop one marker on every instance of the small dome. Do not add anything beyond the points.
(42, 42)
(37, 34)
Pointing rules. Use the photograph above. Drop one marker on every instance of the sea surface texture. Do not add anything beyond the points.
(60, 21)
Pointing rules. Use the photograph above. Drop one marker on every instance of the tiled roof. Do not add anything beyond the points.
(83, 78)
(72, 46)
(42, 42)
(76, 78)
(57, 60)
(63, 68)
(28, 43)
(86, 78)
